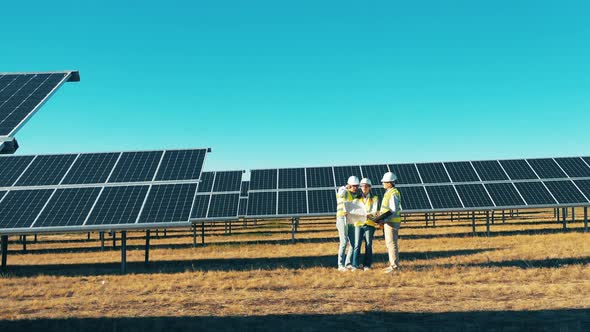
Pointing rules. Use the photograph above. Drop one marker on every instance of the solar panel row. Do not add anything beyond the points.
(218, 196)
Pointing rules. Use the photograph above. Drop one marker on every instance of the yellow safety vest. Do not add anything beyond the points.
(397, 216)
(371, 201)
(340, 211)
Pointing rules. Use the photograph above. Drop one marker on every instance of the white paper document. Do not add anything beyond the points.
(356, 212)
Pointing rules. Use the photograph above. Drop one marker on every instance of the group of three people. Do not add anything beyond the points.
(388, 216)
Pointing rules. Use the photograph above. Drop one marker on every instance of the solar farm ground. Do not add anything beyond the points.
(527, 274)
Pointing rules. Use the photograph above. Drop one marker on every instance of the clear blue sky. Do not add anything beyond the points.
(304, 83)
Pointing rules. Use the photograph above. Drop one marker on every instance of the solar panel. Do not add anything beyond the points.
(443, 197)
(180, 165)
(406, 173)
(291, 178)
(118, 205)
(504, 194)
(489, 170)
(200, 206)
(19, 208)
(535, 193)
(46, 170)
(262, 203)
(136, 166)
(168, 203)
(584, 186)
(414, 198)
(263, 179)
(243, 207)
(574, 167)
(342, 173)
(244, 188)
(474, 195)
(546, 168)
(68, 207)
(22, 94)
(322, 201)
(206, 184)
(91, 168)
(374, 172)
(228, 181)
(433, 173)
(320, 177)
(565, 192)
(518, 169)
(292, 202)
(223, 205)
(378, 191)
(587, 160)
(461, 171)
(11, 168)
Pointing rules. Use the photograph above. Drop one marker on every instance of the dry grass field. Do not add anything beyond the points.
(528, 274)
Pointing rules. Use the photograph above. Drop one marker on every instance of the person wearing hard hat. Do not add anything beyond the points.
(365, 229)
(345, 230)
(390, 216)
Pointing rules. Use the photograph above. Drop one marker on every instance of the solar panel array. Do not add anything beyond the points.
(427, 187)
(22, 94)
(218, 196)
(92, 191)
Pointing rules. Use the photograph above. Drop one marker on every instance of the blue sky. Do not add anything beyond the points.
(305, 83)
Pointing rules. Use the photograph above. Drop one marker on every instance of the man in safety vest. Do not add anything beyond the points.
(390, 216)
(365, 229)
(345, 231)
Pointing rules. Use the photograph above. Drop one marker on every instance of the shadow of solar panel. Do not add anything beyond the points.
(243, 208)
(414, 198)
(535, 193)
(489, 170)
(584, 186)
(11, 168)
(546, 168)
(474, 195)
(224, 206)
(518, 169)
(374, 172)
(91, 168)
(200, 206)
(342, 173)
(19, 208)
(443, 197)
(292, 178)
(433, 173)
(228, 181)
(118, 205)
(206, 184)
(244, 188)
(68, 207)
(406, 173)
(574, 167)
(461, 171)
(292, 202)
(322, 201)
(136, 166)
(181, 165)
(320, 177)
(168, 203)
(504, 194)
(262, 203)
(46, 170)
(263, 179)
(565, 192)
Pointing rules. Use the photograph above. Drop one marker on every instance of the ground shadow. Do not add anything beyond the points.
(540, 320)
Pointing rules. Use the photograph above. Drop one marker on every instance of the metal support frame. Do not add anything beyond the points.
(101, 235)
(35, 239)
(426, 218)
(473, 222)
(503, 216)
(194, 228)
(294, 226)
(557, 215)
(114, 234)
(4, 251)
(488, 223)
(147, 247)
(230, 227)
(493, 217)
(123, 252)
(164, 232)
(24, 240)
(433, 220)
(88, 238)
(203, 233)
(573, 215)
(564, 219)
(585, 219)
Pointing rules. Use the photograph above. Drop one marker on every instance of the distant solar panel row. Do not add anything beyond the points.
(22, 94)
(218, 196)
(99, 168)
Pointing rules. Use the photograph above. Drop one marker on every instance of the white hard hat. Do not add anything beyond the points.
(389, 177)
(366, 181)
(353, 181)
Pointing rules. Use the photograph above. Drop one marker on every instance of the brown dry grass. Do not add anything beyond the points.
(526, 272)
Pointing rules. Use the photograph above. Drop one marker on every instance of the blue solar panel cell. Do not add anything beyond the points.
(19, 208)
(262, 203)
(504, 194)
(406, 173)
(224, 206)
(574, 167)
(168, 203)
(228, 181)
(535, 193)
(474, 195)
(68, 207)
(91, 168)
(320, 177)
(181, 165)
(414, 198)
(46, 170)
(11, 168)
(292, 202)
(342, 173)
(263, 179)
(547, 168)
(136, 166)
(518, 169)
(322, 201)
(489, 170)
(565, 192)
(443, 197)
(200, 206)
(461, 171)
(292, 178)
(118, 205)
(206, 184)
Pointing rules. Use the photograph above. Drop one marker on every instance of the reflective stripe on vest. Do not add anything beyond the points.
(340, 211)
(368, 207)
(396, 217)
